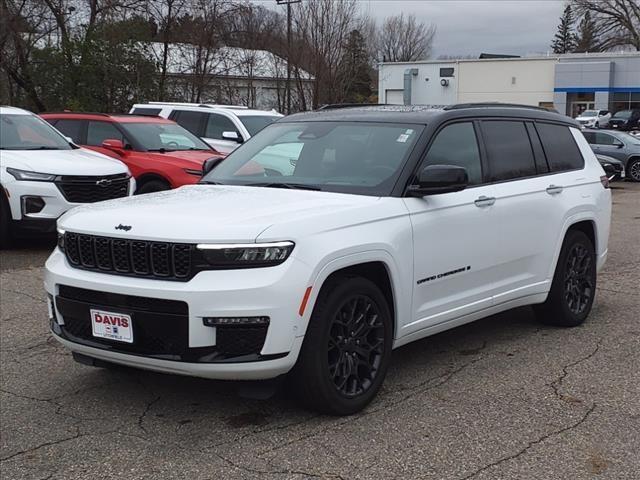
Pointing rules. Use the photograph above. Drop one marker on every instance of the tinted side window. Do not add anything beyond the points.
(152, 112)
(71, 128)
(604, 139)
(189, 120)
(218, 124)
(560, 147)
(590, 136)
(98, 132)
(509, 150)
(456, 144)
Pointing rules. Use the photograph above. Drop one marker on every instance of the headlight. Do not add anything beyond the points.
(31, 176)
(61, 239)
(250, 255)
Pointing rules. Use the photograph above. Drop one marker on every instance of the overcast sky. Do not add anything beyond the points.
(469, 27)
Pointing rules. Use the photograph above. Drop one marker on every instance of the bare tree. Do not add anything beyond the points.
(323, 27)
(616, 21)
(404, 39)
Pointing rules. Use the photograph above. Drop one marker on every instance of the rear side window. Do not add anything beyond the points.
(71, 128)
(560, 147)
(192, 121)
(457, 145)
(509, 151)
(98, 132)
(151, 112)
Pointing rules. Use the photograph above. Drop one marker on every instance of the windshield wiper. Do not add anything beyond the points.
(209, 182)
(160, 150)
(293, 186)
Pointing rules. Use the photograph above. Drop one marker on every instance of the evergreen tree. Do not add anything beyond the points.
(564, 40)
(355, 71)
(587, 37)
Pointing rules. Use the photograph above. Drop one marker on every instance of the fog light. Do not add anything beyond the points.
(32, 205)
(229, 321)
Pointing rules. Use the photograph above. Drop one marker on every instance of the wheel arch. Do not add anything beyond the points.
(378, 267)
(582, 222)
(147, 177)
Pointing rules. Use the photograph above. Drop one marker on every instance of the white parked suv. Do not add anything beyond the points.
(594, 118)
(43, 174)
(394, 223)
(223, 127)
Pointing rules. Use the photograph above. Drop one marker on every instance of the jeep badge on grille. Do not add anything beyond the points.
(126, 228)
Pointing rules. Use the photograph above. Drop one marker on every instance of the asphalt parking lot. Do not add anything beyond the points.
(503, 398)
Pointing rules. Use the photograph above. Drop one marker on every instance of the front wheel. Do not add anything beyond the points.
(152, 186)
(347, 347)
(574, 283)
(633, 170)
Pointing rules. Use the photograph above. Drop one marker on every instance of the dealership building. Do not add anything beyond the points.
(569, 83)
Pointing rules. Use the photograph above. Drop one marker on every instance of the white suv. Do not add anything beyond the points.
(43, 174)
(392, 225)
(223, 127)
(594, 118)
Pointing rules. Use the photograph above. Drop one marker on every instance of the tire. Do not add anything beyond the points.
(153, 186)
(324, 378)
(597, 124)
(574, 284)
(5, 223)
(633, 170)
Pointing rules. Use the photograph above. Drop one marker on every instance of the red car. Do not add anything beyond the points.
(159, 153)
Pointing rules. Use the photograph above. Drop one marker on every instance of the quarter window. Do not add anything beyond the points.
(509, 150)
(71, 128)
(560, 147)
(218, 124)
(456, 144)
(98, 132)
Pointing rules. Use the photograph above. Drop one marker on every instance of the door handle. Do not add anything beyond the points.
(483, 201)
(554, 189)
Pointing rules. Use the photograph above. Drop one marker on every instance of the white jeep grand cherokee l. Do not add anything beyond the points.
(375, 227)
(43, 174)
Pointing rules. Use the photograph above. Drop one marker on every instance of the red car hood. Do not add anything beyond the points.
(193, 157)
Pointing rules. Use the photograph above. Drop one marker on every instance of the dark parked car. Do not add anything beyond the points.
(620, 145)
(613, 167)
(625, 120)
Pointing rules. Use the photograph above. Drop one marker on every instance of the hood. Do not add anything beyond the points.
(186, 158)
(217, 213)
(63, 162)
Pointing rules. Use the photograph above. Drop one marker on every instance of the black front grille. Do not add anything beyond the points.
(140, 258)
(93, 189)
(160, 328)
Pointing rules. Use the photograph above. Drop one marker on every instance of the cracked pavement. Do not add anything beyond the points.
(502, 398)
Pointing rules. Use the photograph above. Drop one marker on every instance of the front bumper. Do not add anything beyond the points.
(275, 292)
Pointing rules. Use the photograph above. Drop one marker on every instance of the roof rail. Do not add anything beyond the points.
(335, 106)
(460, 106)
(188, 104)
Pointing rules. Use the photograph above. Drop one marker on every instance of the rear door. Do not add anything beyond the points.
(529, 213)
(454, 236)
(73, 128)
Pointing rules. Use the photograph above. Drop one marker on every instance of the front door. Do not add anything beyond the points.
(454, 236)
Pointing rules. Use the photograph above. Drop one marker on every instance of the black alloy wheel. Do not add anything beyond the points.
(356, 346)
(578, 284)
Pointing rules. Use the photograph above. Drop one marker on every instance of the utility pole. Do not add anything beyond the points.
(288, 85)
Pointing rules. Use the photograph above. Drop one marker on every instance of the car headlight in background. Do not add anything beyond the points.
(250, 255)
(31, 176)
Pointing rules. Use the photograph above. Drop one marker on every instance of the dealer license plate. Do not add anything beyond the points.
(112, 326)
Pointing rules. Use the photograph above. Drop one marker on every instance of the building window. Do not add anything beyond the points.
(625, 101)
(446, 72)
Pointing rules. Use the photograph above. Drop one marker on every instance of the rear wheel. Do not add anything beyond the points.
(574, 283)
(347, 347)
(633, 170)
(151, 186)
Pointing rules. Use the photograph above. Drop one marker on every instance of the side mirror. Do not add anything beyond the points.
(114, 145)
(619, 144)
(210, 163)
(235, 136)
(436, 179)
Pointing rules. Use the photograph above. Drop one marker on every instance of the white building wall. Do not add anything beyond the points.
(526, 81)
(425, 86)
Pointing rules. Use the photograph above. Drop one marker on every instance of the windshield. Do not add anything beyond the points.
(163, 137)
(28, 132)
(623, 114)
(361, 158)
(254, 124)
(589, 113)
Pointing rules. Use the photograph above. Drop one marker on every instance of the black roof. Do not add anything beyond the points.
(423, 114)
